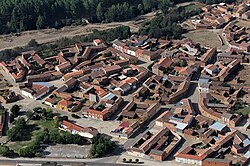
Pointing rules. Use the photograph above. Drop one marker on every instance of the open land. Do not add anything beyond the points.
(208, 38)
(49, 35)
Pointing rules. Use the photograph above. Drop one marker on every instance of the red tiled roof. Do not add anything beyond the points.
(72, 126)
(65, 102)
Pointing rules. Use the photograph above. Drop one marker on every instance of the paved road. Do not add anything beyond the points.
(59, 162)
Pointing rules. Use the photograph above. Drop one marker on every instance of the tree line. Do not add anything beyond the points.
(46, 50)
(17, 15)
(167, 24)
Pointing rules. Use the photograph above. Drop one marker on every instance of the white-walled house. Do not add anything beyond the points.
(88, 132)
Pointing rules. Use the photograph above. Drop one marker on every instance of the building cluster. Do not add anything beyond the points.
(237, 37)
(101, 80)
(157, 145)
(8, 96)
(216, 16)
(218, 146)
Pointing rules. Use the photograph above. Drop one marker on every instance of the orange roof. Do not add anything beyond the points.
(72, 74)
(72, 126)
(65, 102)
(49, 100)
(98, 41)
(131, 80)
(165, 62)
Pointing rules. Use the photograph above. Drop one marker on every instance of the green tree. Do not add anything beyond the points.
(29, 151)
(40, 23)
(101, 146)
(100, 12)
(11, 118)
(47, 114)
(6, 151)
(15, 110)
(149, 4)
(16, 133)
(183, 63)
(32, 43)
(164, 6)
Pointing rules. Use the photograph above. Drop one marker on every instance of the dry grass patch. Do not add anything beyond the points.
(204, 37)
(243, 23)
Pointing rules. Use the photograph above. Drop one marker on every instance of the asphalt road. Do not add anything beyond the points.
(21, 162)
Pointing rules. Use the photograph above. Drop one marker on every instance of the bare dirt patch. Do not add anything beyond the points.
(207, 38)
(67, 151)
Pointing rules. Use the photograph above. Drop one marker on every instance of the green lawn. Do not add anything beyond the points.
(244, 111)
(18, 145)
(40, 124)
(49, 124)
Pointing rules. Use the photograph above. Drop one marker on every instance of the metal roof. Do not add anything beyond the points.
(217, 126)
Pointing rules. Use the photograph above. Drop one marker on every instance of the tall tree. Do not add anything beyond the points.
(40, 23)
(100, 12)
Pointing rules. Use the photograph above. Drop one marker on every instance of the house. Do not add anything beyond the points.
(8, 96)
(175, 121)
(14, 69)
(227, 57)
(158, 146)
(74, 74)
(88, 132)
(63, 67)
(245, 46)
(125, 129)
(216, 162)
(118, 45)
(190, 156)
(132, 59)
(208, 56)
(36, 90)
(103, 110)
(50, 102)
(160, 67)
(212, 69)
(109, 70)
(64, 105)
(207, 8)
(220, 127)
(97, 42)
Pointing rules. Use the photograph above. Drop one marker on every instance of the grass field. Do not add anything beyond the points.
(193, 7)
(205, 38)
(244, 111)
(39, 126)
